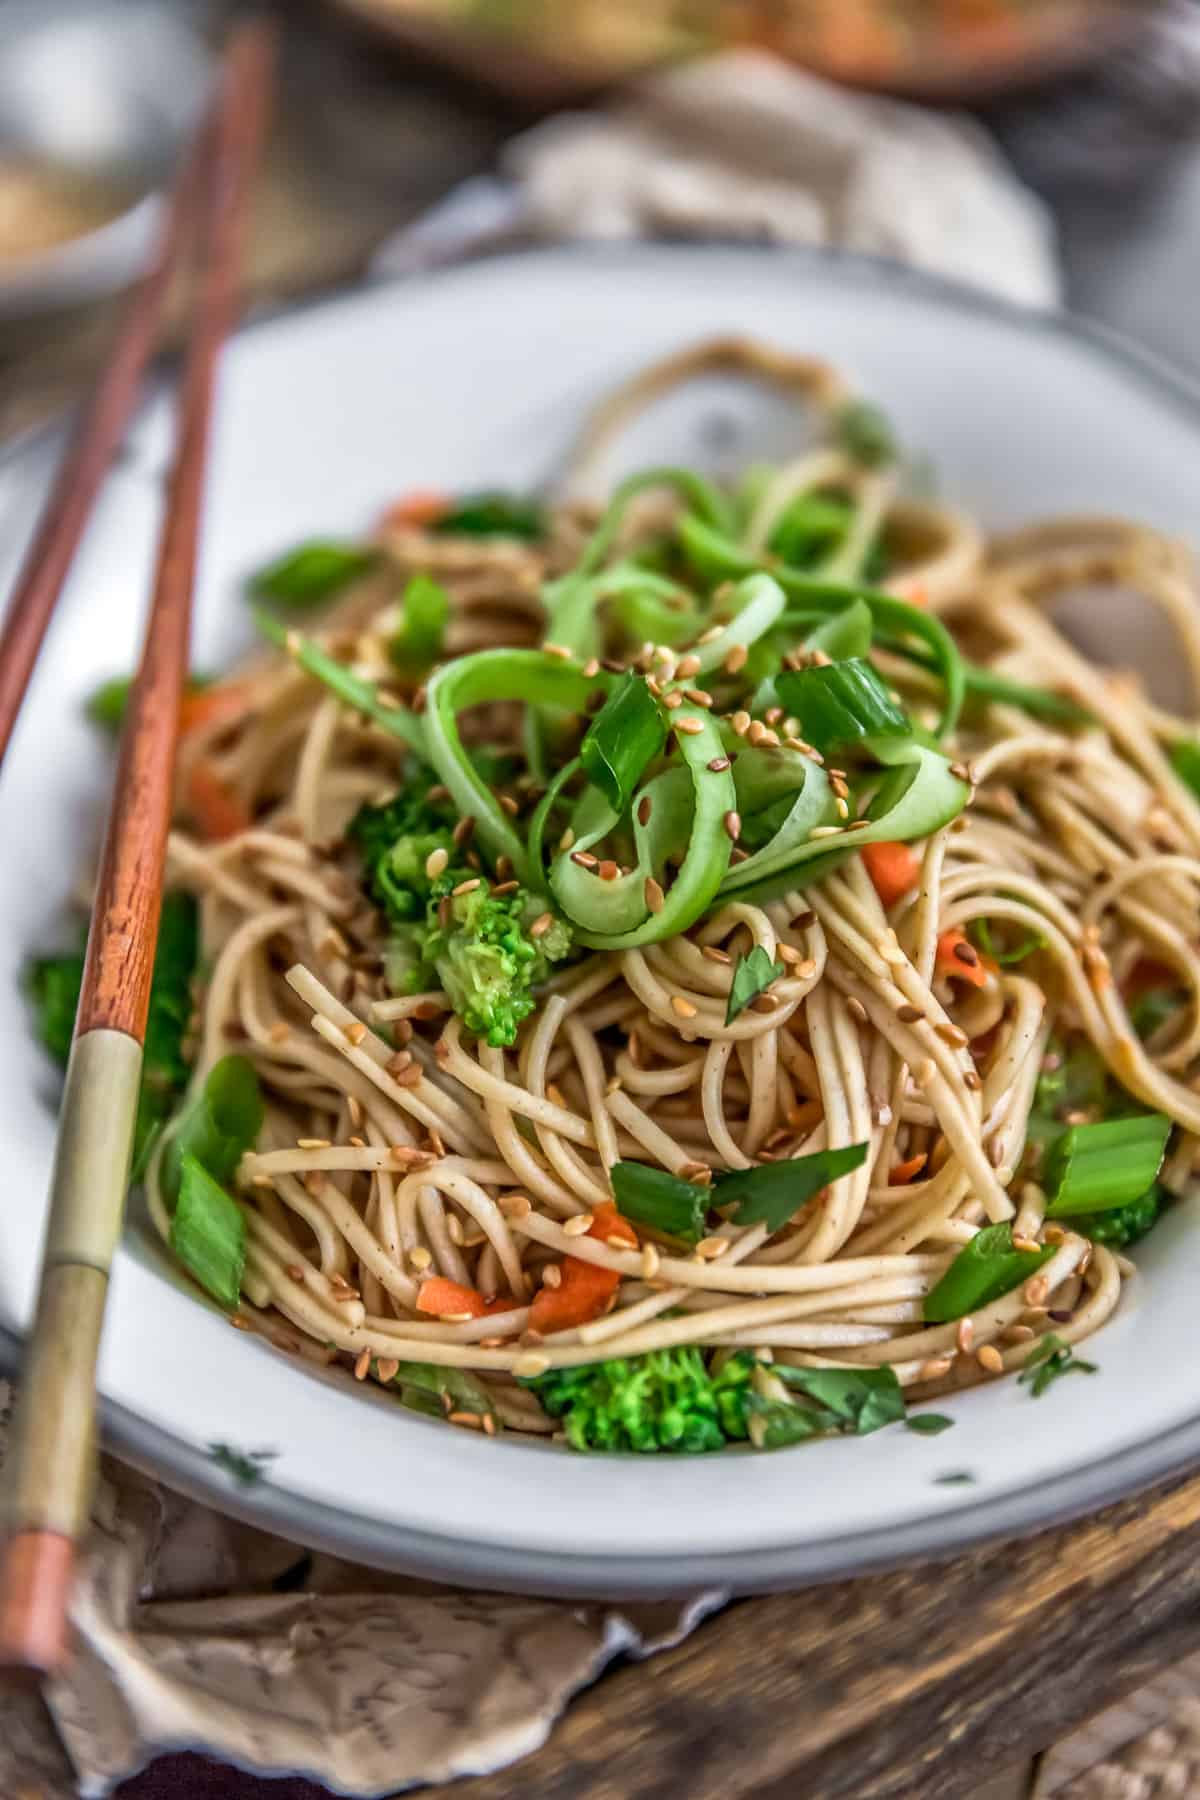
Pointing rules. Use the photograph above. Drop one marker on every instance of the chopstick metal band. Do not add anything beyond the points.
(91, 1165)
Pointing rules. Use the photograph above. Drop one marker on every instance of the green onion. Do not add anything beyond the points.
(772, 1192)
(1006, 958)
(218, 1126)
(208, 1233)
(624, 738)
(983, 1270)
(312, 574)
(1051, 1360)
(663, 1201)
(491, 515)
(431, 1381)
(1185, 760)
(361, 696)
(865, 432)
(845, 633)
(841, 705)
(751, 974)
(1039, 702)
(420, 638)
(1093, 1167)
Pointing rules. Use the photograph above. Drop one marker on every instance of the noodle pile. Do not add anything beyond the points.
(399, 1147)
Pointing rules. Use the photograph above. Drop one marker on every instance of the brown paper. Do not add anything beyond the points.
(195, 1632)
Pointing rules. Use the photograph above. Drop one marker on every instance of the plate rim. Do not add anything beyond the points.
(938, 1533)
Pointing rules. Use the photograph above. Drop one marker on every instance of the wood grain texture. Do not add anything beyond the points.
(120, 954)
(927, 1681)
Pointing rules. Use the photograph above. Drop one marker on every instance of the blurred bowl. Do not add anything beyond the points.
(96, 97)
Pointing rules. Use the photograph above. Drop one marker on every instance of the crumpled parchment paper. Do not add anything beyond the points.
(197, 1632)
(744, 146)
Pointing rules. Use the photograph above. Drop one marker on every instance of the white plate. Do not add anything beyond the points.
(481, 375)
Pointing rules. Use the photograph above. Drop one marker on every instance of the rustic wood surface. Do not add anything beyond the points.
(931, 1681)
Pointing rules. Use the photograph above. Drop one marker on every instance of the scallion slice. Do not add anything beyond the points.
(420, 636)
(983, 1270)
(1094, 1167)
(208, 1233)
(218, 1125)
(663, 1201)
(842, 704)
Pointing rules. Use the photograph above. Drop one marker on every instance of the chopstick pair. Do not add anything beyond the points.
(49, 1477)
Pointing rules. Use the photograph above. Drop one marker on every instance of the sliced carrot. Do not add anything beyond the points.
(960, 960)
(582, 1295)
(424, 506)
(219, 704)
(216, 809)
(608, 1223)
(895, 870)
(905, 1171)
(440, 1296)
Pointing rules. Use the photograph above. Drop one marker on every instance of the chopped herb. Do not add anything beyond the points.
(983, 1270)
(492, 515)
(772, 1192)
(928, 1424)
(247, 1467)
(625, 736)
(311, 574)
(1093, 1167)
(663, 1201)
(865, 432)
(1048, 1362)
(857, 1400)
(842, 705)
(208, 1233)
(752, 975)
(420, 637)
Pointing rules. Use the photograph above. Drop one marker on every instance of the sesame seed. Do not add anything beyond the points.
(698, 1172)
(735, 659)
(964, 1334)
(714, 955)
(529, 1363)
(591, 667)
(552, 1276)
(710, 1248)
(824, 831)
(500, 888)
(355, 1033)
(1054, 1234)
(924, 1072)
(645, 807)
(673, 699)
(444, 911)
(462, 831)
(651, 1261)
(741, 723)
(935, 1368)
(698, 696)
(362, 1366)
(584, 858)
(764, 1003)
(559, 650)
(1025, 1243)
(967, 954)
(578, 1225)
(951, 1034)
(509, 805)
(909, 1015)
(314, 1144)
(411, 1077)
(1035, 1291)
(1019, 1334)
(681, 1007)
(387, 1368)
(732, 824)
(808, 968)
(465, 887)
(690, 727)
(972, 1080)
(541, 925)
(717, 764)
(687, 665)
(757, 732)
(989, 1358)
(788, 953)
(515, 1206)
(420, 1257)
(653, 894)
(711, 635)
(567, 839)
(279, 1032)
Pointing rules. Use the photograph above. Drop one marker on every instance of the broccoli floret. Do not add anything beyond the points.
(1120, 1226)
(666, 1400)
(478, 945)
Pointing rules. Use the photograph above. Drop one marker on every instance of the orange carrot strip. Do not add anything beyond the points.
(895, 870)
(216, 809)
(959, 959)
(584, 1293)
(440, 1296)
(607, 1223)
(905, 1171)
(216, 705)
(424, 506)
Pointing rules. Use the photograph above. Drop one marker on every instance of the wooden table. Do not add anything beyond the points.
(925, 1682)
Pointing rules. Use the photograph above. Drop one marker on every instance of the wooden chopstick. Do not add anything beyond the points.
(52, 1454)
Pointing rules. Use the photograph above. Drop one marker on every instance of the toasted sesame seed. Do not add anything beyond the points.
(673, 699)
(690, 727)
(650, 1261)
(515, 1206)
(578, 1225)
(924, 1072)
(314, 1144)
(529, 1363)
(741, 723)
(806, 969)
(444, 911)
(500, 888)
(1019, 1334)
(1035, 1291)
(420, 1257)
(909, 1015)
(732, 823)
(711, 635)
(788, 953)
(652, 892)
(764, 1003)
(509, 805)
(824, 831)
(362, 1366)
(682, 1007)
(567, 839)
(1025, 1243)
(717, 764)
(541, 925)
(591, 667)
(710, 1248)
(964, 1333)
(757, 732)
(735, 659)
(645, 807)
(1054, 1234)
(462, 831)
(411, 1077)
(687, 665)
(559, 650)
(951, 1034)
(279, 1032)
(698, 1172)
(989, 1358)
(936, 1368)
(698, 696)
(584, 858)
(967, 954)
(713, 954)
(465, 887)
(387, 1368)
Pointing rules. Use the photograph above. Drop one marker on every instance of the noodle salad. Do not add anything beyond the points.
(713, 968)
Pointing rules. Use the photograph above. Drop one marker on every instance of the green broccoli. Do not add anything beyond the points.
(665, 1400)
(1120, 1226)
(477, 945)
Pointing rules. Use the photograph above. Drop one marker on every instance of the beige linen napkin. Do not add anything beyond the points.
(196, 1632)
